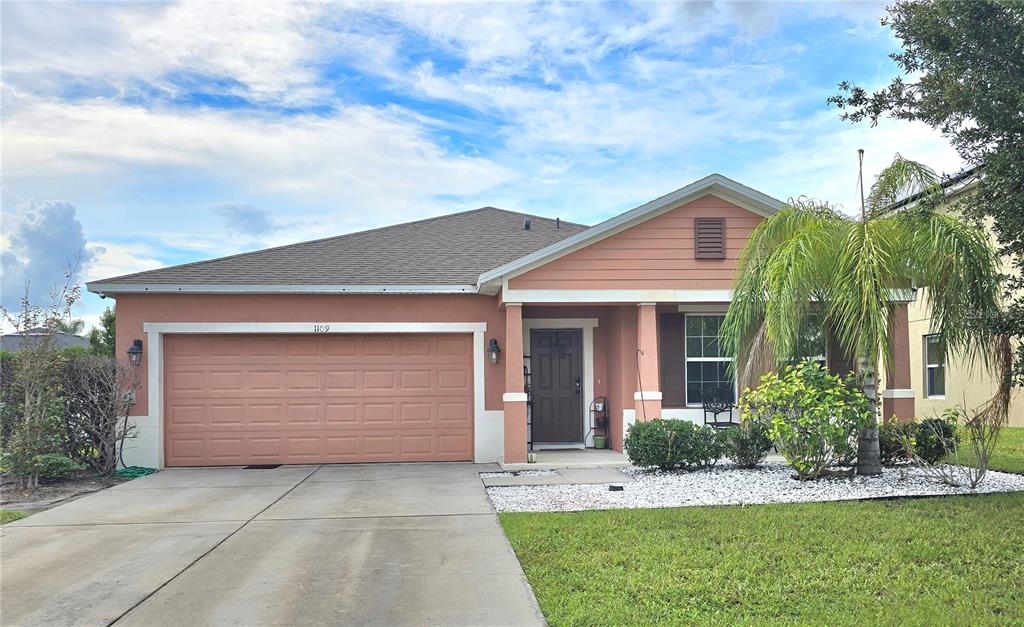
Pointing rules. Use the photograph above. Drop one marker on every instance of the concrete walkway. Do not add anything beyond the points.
(392, 544)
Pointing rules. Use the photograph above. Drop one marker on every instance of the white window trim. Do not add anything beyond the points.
(587, 326)
(686, 358)
(928, 366)
(484, 450)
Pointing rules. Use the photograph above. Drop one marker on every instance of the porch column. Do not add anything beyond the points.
(514, 397)
(647, 399)
(898, 397)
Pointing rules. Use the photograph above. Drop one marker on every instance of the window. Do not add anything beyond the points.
(934, 367)
(706, 367)
(810, 343)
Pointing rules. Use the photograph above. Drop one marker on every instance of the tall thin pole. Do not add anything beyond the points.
(860, 182)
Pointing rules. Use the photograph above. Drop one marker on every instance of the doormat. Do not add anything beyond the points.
(262, 467)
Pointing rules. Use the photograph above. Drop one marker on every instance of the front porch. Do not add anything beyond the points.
(586, 372)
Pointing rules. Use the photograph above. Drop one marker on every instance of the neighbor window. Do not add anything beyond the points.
(707, 367)
(934, 367)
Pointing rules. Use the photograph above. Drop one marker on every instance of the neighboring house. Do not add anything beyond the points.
(941, 381)
(377, 346)
(15, 341)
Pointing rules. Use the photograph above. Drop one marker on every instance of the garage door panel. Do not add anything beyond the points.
(307, 399)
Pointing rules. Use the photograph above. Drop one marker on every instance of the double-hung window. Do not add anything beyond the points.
(934, 367)
(707, 365)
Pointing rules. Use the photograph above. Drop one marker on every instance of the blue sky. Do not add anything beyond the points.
(146, 134)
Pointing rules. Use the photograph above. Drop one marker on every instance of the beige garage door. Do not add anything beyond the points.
(297, 399)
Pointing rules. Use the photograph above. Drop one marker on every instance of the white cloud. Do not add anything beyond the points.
(362, 158)
(821, 162)
(115, 259)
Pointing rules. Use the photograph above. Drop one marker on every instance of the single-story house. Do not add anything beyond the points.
(16, 341)
(473, 336)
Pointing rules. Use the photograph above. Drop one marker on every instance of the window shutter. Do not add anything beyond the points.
(709, 238)
(670, 354)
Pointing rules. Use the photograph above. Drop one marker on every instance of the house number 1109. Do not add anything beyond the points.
(321, 328)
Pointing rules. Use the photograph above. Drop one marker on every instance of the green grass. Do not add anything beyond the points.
(1009, 453)
(953, 560)
(11, 515)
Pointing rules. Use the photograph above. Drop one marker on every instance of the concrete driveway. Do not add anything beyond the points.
(385, 544)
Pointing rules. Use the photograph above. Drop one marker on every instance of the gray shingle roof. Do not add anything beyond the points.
(447, 250)
(15, 341)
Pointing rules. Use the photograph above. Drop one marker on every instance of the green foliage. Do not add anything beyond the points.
(939, 561)
(103, 340)
(54, 466)
(963, 66)
(893, 437)
(31, 440)
(934, 438)
(672, 444)
(747, 446)
(813, 417)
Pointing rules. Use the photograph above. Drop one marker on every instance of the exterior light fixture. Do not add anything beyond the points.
(135, 353)
(494, 351)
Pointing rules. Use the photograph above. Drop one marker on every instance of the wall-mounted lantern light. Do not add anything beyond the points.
(494, 351)
(135, 353)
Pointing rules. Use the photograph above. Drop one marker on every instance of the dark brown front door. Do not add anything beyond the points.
(556, 378)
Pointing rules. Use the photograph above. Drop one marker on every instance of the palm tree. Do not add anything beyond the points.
(809, 263)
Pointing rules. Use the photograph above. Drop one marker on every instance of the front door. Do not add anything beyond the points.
(556, 358)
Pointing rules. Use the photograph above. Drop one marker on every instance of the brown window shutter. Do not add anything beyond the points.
(670, 354)
(838, 361)
(709, 238)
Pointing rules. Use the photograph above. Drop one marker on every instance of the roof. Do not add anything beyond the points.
(466, 252)
(715, 184)
(446, 254)
(15, 341)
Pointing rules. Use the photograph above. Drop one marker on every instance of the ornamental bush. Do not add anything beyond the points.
(747, 445)
(672, 444)
(893, 442)
(813, 417)
(934, 438)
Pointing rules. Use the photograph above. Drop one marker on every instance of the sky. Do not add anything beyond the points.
(140, 135)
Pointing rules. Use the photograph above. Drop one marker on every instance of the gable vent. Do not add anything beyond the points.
(709, 238)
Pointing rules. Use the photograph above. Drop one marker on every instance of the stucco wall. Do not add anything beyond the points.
(135, 309)
(657, 254)
(965, 384)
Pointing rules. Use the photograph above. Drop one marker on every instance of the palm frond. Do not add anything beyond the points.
(904, 179)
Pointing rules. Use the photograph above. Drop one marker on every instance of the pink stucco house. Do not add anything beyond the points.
(379, 345)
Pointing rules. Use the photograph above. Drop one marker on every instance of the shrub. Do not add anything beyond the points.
(671, 444)
(747, 445)
(53, 466)
(954, 463)
(934, 438)
(893, 439)
(812, 416)
(96, 392)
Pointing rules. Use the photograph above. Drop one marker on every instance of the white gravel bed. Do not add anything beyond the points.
(725, 485)
(518, 473)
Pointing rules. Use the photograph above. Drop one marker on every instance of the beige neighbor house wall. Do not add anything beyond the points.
(966, 384)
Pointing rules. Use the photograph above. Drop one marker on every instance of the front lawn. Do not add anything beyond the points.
(925, 561)
(1009, 453)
